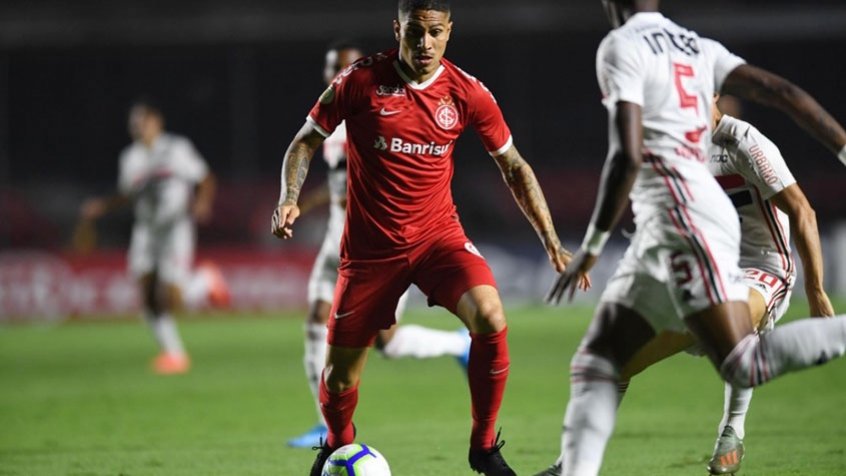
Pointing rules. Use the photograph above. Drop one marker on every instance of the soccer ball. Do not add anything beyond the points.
(356, 460)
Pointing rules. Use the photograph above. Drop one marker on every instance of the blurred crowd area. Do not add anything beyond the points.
(239, 78)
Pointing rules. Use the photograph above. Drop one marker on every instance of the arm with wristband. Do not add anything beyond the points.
(618, 175)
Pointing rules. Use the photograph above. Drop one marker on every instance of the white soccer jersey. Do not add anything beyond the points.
(684, 255)
(335, 155)
(161, 179)
(672, 74)
(750, 168)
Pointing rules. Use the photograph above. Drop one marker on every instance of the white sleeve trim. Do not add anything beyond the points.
(317, 127)
(504, 148)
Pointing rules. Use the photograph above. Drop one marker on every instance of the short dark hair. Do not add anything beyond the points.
(149, 103)
(408, 6)
(345, 44)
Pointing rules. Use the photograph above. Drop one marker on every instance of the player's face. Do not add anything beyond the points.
(337, 61)
(423, 37)
(143, 124)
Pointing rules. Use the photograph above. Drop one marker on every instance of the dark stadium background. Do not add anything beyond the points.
(239, 77)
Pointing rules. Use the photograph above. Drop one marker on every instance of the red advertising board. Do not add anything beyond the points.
(46, 286)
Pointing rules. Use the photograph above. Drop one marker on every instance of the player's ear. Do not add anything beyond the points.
(397, 31)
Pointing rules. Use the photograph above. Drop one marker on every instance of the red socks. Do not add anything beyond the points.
(338, 409)
(487, 372)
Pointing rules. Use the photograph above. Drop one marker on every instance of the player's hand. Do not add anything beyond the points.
(283, 219)
(202, 211)
(560, 258)
(577, 270)
(819, 304)
(92, 209)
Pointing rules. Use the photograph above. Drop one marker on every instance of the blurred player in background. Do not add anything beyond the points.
(398, 341)
(681, 271)
(403, 109)
(171, 186)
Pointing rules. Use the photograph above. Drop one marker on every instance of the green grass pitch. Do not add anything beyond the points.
(78, 400)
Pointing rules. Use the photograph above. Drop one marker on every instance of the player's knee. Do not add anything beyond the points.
(490, 317)
(338, 380)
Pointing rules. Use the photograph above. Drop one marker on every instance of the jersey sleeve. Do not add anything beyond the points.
(762, 164)
(619, 72)
(488, 121)
(724, 61)
(334, 104)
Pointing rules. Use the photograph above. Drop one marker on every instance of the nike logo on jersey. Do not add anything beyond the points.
(386, 112)
(497, 372)
(341, 316)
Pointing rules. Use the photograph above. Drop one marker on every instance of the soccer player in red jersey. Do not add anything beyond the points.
(404, 108)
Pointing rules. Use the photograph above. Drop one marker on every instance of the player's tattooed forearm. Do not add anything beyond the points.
(528, 194)
(294, 172)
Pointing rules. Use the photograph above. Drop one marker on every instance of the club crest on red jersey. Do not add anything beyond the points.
(446, 115)
(328, 95)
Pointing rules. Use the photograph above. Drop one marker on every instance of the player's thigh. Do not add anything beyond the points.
(720, 328)
(451, 268)
(757, 308)
(768, 297)
(617, 333)
(664, 345)
(365, 300)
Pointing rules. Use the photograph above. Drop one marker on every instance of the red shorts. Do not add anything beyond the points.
(367, 291)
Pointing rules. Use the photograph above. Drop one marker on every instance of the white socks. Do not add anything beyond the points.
(423, 343)
(735, 408)
(315, 359)
(165, 331)
(794, 346)
(591, 413)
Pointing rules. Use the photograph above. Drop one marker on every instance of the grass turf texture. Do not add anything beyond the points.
(79, 400)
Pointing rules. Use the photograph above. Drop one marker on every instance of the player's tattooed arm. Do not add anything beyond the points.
(520, 178)
(296, 163)
(759, 85)
(294, 171)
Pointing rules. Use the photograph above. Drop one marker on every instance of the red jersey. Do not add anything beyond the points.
(400, 137)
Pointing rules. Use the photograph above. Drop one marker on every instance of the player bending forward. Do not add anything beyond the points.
(396, 342)
(772, 208)
(681, 271)
(404, 109)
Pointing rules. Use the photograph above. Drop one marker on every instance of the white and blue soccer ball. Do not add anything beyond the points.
(356, 460)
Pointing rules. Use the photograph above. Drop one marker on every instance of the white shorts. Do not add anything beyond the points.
(169, 251)
(776, 293)
(677, 264)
